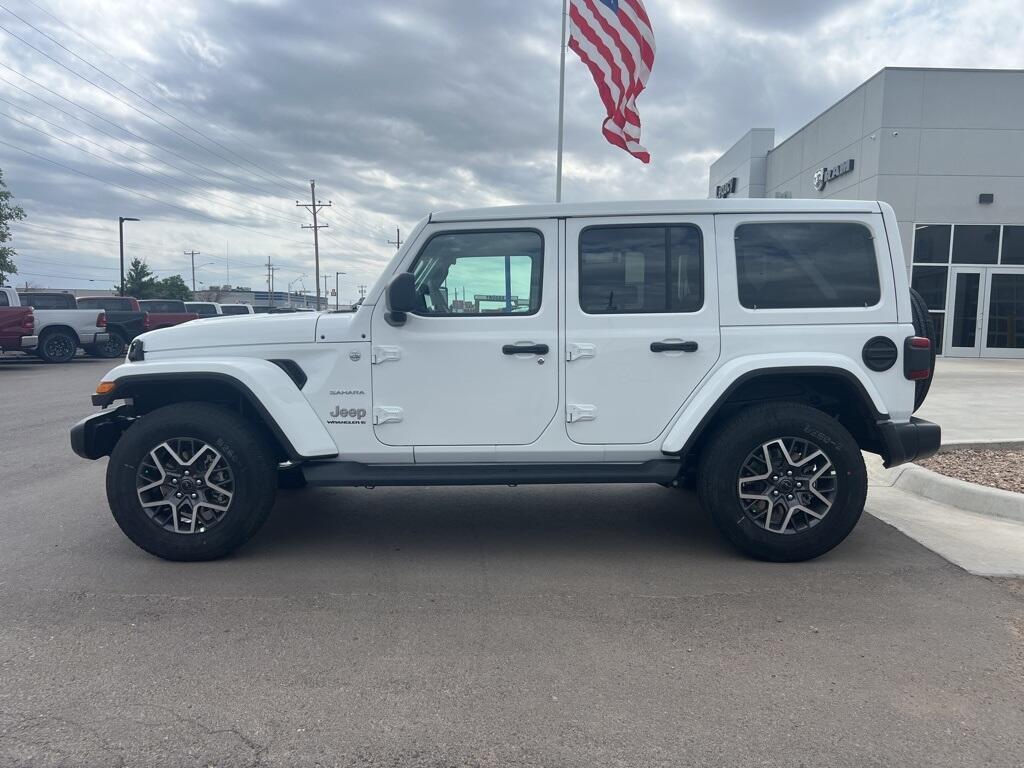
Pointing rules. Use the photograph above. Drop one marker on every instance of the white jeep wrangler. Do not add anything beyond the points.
(755, 347)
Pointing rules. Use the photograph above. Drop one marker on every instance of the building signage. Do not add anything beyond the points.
(729, 188)
(825, 175)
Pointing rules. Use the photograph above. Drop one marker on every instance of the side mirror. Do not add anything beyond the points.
(401, 298)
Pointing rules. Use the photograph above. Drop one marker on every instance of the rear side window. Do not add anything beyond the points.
(166, 307)
(804, 265)
(49, 300)
(641, 269)
(236, 309)
(108, 304)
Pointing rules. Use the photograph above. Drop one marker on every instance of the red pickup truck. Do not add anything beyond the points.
(17, 329)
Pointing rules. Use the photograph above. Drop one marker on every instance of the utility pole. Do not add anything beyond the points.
(326, 300)
(193, 254)
(314, 206)
(271, 269)
(120, 231)
(397, 242)
(362, 292)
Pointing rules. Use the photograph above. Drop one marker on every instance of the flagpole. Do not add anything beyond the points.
(561, 107)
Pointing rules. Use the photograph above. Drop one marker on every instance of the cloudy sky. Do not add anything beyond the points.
(207, 119)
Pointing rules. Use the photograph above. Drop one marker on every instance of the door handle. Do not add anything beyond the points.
(525, 349)
(674, 346)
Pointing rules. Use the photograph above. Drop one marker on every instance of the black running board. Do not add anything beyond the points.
(352, 473)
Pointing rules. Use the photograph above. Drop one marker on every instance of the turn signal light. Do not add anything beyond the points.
(105, 387)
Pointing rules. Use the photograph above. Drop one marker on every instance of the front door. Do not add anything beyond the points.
(476, 364)
(964, 329)
(641, 323)
(987, 309)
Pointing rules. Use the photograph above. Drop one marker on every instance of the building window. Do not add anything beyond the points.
(493, 272)
(641, 270)
(1013, 245)
(930, 282)
(797, 265)
(975, 244)
(931, 243)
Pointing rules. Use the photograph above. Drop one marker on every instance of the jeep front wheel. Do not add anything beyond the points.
(783, 482)
(191, 481)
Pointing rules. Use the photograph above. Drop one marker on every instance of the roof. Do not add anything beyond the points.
(656, 208)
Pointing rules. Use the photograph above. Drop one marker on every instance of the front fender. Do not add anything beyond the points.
(729, 375)
(267, 388)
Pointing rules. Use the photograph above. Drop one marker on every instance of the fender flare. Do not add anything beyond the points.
(709, 398)
(264, 386)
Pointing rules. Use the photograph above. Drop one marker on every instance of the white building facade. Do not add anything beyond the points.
(945, 148)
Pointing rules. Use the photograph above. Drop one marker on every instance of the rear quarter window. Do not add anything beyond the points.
(806, 265)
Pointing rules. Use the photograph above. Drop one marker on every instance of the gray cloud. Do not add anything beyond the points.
(400, 108)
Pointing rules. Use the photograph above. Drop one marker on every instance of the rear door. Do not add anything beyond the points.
(641, 323)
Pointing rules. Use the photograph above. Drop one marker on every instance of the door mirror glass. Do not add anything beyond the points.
(401, 297)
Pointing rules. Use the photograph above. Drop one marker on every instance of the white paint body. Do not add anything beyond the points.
(441, 391)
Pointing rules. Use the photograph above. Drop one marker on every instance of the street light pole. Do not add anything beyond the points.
(120, 232)
(337, 294)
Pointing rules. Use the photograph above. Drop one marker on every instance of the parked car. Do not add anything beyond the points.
(236, 309)
(752, 347)
(126, 319)
(203, 308)
(60, 325)
(17, 326)
(165, 313)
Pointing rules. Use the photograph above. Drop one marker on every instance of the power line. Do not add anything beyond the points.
(113, 95)
(152, 83)
(143, 194)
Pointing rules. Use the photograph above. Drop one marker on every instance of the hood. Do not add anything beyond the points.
(233, 331)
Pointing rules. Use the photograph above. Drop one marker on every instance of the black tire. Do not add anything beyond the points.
(245, 451)
(57, 347)
(725, 457)
(923, 326)
(114, 346)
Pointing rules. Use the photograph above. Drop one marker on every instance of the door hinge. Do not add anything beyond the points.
(575, 413)
(383, 354)
(578, 351)
(387, 414)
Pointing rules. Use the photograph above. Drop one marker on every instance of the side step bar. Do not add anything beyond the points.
(354, 474)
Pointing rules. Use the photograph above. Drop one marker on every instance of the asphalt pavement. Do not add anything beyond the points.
(563, 626)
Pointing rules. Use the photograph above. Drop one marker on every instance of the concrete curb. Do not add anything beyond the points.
(980, 499)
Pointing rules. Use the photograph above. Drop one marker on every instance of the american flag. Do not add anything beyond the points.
(615, 40)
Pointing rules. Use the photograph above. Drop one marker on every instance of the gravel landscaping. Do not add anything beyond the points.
(998, 469)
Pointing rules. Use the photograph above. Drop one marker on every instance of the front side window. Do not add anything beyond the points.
(480, 273)
(803, 265)
(641, 269)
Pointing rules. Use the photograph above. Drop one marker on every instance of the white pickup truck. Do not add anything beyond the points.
(754, 347)
(60, 326)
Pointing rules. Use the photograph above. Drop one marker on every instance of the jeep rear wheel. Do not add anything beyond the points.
(191, 481)
(783, 481)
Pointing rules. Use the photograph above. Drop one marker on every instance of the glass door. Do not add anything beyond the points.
(964, 325)
(1004, 316)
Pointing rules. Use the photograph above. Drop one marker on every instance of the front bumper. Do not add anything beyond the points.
(29, 342)
(903, 443)
(95, 436)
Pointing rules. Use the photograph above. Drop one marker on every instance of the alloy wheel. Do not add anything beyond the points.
(185, 485)
(787, 485)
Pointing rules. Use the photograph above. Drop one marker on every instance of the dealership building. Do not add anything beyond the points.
(945, 148)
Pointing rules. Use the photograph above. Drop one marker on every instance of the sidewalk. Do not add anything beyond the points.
(977, 400)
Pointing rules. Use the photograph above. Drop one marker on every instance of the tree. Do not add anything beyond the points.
(139, 282)
(8, 212)
(173, 287)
